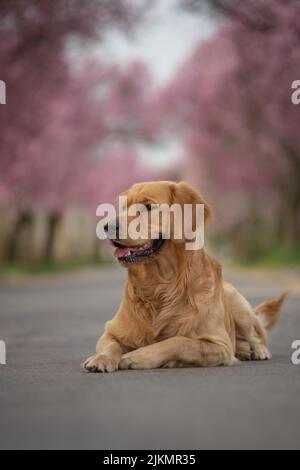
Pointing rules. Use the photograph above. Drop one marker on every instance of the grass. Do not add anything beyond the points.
(55, 267)
(277, 257)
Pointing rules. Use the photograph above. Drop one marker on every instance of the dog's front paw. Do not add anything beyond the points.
(127, 362)
(260, 353)
(137, 359)
(243, 350)
(100, 363)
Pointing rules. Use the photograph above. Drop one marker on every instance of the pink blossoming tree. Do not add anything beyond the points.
(233, 110)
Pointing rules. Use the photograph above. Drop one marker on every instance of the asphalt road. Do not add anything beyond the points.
(47, 401)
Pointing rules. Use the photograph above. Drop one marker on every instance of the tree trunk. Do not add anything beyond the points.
(23, 222)
(53, 222)
(290, 225)
(290, 199)
(289, 213)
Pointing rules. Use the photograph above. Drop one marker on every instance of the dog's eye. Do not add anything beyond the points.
(148, 207)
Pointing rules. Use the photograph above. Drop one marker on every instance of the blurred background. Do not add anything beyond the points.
(96, 95)
(102, 94)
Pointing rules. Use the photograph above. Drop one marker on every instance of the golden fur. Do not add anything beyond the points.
(176, 310)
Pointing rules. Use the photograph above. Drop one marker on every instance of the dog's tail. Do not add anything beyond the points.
(268, 311)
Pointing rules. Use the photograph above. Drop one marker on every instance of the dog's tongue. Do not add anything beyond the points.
(121, 251)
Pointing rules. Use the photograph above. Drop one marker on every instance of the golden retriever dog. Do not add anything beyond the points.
(176, 309)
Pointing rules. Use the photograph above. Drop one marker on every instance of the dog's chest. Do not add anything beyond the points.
(168, 322)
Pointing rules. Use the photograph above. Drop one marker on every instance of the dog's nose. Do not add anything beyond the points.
(112, 229)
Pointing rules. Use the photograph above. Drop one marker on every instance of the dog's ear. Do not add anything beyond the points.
(183, 193)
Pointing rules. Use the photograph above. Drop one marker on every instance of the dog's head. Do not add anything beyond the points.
(150, 239)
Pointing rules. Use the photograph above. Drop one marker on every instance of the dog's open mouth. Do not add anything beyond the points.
(133, 254)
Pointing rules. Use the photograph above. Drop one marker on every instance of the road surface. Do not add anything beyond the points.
(50, 324)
